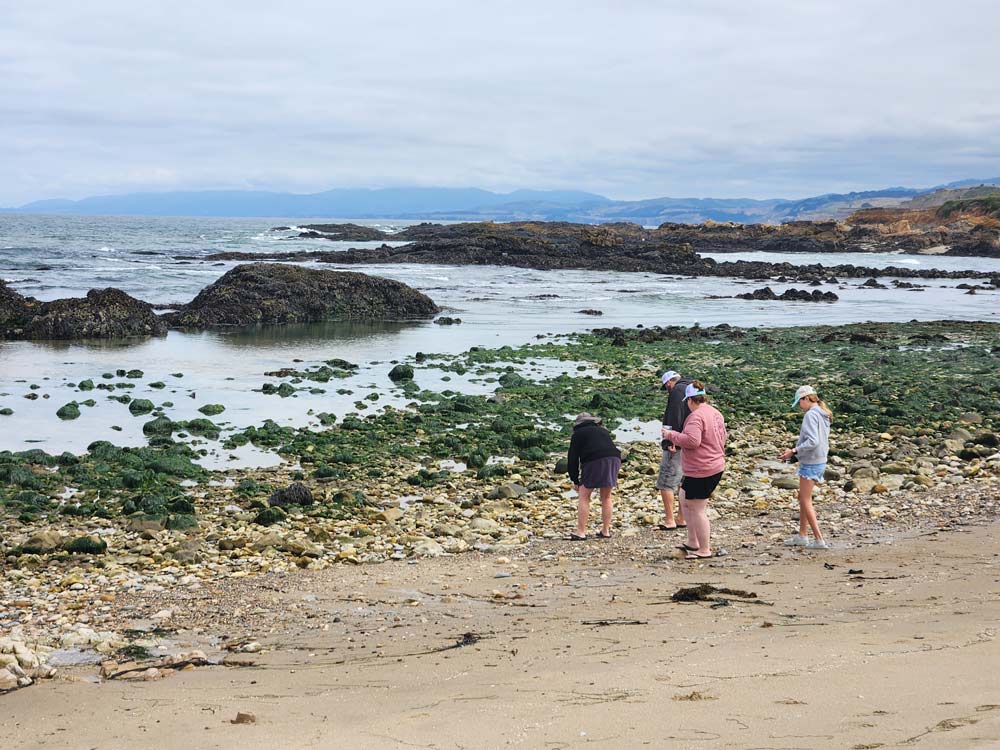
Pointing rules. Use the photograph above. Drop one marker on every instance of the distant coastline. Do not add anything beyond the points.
(472, 204)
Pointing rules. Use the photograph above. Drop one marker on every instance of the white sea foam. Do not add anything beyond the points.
(106, 249)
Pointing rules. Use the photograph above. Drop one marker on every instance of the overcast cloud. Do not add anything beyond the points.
(632, 99)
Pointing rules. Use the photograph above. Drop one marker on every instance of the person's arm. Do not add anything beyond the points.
(573, 461)
(692, 435)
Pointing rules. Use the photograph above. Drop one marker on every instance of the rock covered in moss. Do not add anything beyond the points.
(210, 410)
(160, 426)
(270, 516)
(140, 406)
(87, 545)
(69, 411)
(273, 293)
(401, 372)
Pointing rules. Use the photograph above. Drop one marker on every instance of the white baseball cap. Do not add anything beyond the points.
(691, 391)
(668, 376)
(802, 392)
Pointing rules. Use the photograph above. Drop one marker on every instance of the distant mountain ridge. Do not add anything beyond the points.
(473, 204)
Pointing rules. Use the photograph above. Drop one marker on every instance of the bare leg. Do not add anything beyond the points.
(693, 540)
(606, 511)
(667, 496)
(807, 516)
(583, 510)
(698, 520)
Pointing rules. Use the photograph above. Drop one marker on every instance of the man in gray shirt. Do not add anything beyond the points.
(670, 476)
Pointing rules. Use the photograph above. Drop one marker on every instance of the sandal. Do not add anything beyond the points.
(686, 548)
(577, 538)
(695, 556)
(664, 527)
(602, 535)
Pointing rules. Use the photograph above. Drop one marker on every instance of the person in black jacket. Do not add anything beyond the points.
(670, 476)
(594, 463)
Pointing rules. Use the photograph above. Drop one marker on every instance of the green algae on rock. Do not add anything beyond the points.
(69, 411)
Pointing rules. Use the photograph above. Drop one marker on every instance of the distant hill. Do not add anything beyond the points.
(944, 195)
(390, 203)
(471, 204)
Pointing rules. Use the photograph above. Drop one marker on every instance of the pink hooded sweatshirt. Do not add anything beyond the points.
(703, 441)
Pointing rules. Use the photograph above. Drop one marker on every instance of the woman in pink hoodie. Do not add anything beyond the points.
(703, 461)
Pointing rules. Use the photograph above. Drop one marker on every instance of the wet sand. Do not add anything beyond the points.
(580, 645)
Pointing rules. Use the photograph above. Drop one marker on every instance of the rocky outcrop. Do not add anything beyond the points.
(15, 310)
(671, 248)
(790, 295)
(341, 232)
(274, 293)
(103, 313)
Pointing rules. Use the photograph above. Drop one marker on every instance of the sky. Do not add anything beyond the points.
(628, 98)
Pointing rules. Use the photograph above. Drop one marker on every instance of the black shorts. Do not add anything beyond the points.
(700, 488)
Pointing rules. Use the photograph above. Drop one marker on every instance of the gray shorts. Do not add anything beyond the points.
(670, 471)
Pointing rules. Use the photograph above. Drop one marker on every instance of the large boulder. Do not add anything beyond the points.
(103, 313)
(16, 311)
(270, 293)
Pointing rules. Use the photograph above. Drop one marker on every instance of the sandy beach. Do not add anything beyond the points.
(885, 642)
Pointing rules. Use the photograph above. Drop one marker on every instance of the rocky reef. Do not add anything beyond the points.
(103, 313)
(790, 295)
(273, 293)
(668, 249)
(965, 227)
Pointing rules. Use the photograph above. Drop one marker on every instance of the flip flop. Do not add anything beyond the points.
(577, 538)
(693, 556)
(664, 527)
(602, 535)
(686, 548)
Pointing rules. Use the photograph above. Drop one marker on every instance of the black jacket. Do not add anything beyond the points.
(590, 441)
(677, 410)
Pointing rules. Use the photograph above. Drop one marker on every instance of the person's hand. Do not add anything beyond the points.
(672, 448)
(664, 432)
(787, 454)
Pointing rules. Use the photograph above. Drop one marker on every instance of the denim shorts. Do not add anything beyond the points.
(812, 471)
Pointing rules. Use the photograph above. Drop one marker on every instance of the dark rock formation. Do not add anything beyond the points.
(104, 313)
(341, 232)
(790, 295)
(400, 373)
(669, 249)
(15, 310)
(295, 494)
(268, 293)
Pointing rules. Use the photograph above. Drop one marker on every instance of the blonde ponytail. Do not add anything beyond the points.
(812, 398)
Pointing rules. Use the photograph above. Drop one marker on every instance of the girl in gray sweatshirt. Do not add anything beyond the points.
(810, 451)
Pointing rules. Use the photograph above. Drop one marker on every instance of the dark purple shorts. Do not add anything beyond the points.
(601, 472)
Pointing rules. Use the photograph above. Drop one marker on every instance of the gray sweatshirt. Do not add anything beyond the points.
(814, 437)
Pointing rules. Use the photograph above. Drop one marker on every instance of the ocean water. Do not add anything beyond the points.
(57, 256)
